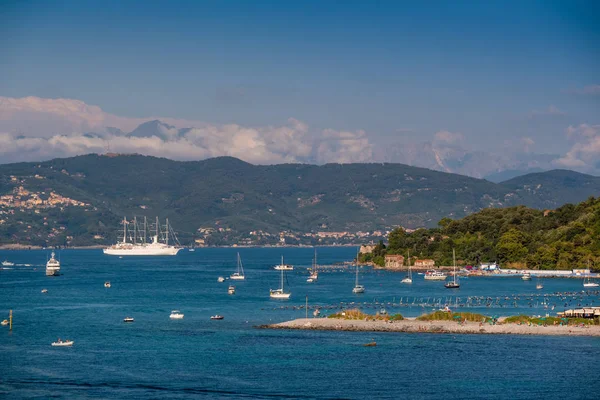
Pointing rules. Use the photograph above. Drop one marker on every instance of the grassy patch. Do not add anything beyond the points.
(356, 314)
(450, 316)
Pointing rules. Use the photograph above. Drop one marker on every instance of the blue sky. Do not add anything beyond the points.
(399, 70)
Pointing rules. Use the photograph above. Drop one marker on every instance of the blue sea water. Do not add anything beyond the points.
(156, 357)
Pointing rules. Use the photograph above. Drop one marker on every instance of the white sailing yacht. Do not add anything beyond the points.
(284, 267)
(538, 284)
(279, 293)
(408, 278)
(52, 266)
(453, 284)
(239, 274)
(357, 288)
(314, 275)
(587, 282)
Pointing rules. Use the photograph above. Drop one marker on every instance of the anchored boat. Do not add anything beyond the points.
(63, 343)
(52, 266)
(238, 275)
(136, 244)
(279, 293)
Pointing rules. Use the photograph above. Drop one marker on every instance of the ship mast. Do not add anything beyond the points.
(135, 230)
(124, 230)
(167, 233)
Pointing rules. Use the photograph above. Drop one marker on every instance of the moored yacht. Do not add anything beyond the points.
(238, 275)
(526, 276)
(138, 245)
(7, 263)
(52, 266)
(63, 343)
(176, 314)
(314, 274)
(284, 267)
(453, 284)
(433, 275)
(408, 277)
(279, 293)
(357, 288)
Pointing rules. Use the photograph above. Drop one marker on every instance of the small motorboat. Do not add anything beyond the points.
(231, 289)
(217, 317)
(526, 276)
(107, 284)
(128, 319)
(44, 290)
(4, 322)
(371, 344)
(7, 263)
(176, 314)
(220, 279)
(63, 343)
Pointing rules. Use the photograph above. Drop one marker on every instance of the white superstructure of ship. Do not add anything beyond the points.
(53, 266)
(136, 244)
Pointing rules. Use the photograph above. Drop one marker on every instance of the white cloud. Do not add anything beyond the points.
(585, 151)
(551, 111)
(591, 90)
(60, 124)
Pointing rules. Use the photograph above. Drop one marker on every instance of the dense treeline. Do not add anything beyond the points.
(565, 238)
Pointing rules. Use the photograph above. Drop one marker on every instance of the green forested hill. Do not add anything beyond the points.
(229, 193)
(565, 238)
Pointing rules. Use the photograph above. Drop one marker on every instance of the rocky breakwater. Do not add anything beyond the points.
(419, 326)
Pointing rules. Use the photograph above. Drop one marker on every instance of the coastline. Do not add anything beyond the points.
(447, 327)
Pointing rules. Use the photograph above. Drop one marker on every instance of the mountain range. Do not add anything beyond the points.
(239, 197)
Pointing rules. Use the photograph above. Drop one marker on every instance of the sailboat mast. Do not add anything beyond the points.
(124, 229)
(454, 262)
(145, 222)
(135, 230)
(282, 280)
(157, 229)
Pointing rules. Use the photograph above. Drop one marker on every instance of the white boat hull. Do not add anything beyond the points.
(435, 277)
(66, 343)
(53, 271)
(280, 295)
(237, 277)
(142, 250)
(590, 285)
(176, 316)
(406, 280)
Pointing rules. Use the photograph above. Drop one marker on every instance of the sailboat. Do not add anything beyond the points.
(408, 278)
(314, 275)
(453, 284)
(587, 282)
(538, 284)
(279, 293)
(357, 288)
(239, 274)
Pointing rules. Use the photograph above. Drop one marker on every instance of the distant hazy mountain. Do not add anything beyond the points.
(502, 176)
(555, 188)
(229, 193)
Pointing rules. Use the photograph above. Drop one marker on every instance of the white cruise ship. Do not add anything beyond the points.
(135, 244)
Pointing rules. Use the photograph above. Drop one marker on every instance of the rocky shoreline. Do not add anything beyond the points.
(414, 326)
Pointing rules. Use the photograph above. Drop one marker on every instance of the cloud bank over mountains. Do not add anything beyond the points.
(34, 129)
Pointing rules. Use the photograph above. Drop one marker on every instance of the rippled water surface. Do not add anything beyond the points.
(196, 357)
